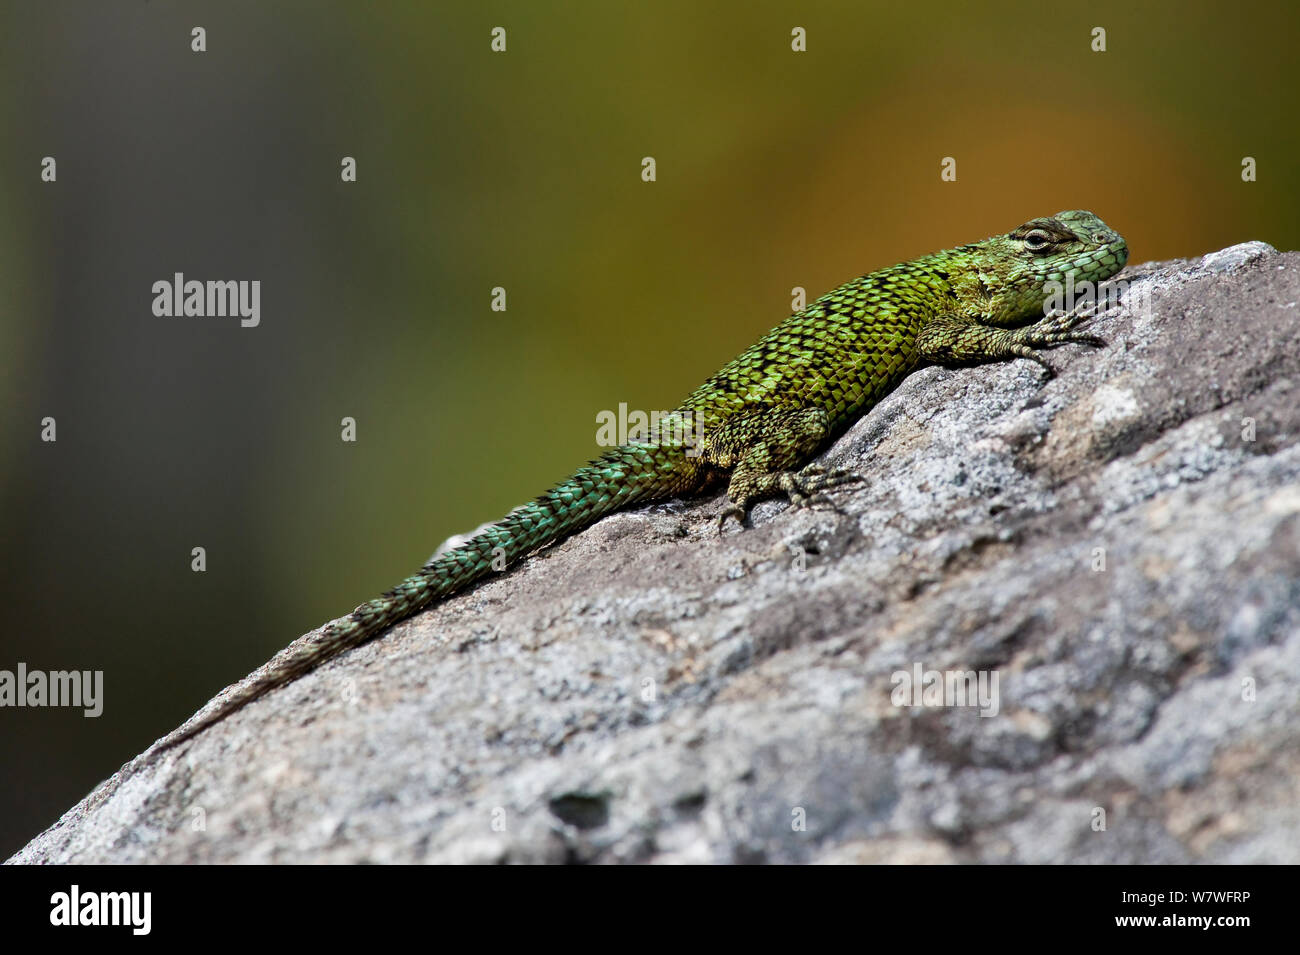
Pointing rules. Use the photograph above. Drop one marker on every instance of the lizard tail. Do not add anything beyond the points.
(622, 476)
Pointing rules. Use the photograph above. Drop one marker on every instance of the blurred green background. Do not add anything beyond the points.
(477, 169)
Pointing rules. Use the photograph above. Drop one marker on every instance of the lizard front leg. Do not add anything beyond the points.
(763, 449)
(947, 341)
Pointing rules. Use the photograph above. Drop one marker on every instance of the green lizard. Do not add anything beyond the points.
(759, 421)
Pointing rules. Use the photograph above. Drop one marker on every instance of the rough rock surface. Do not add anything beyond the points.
(1120, 545)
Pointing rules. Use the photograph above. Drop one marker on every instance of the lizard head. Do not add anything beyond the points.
(1076, 243)
(1070, 246)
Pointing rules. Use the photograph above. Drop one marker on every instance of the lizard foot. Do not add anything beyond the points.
(738, 511)
(1048, 333)
(802, 488)
(1060, 330)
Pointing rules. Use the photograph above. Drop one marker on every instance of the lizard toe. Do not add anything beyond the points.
(731, 510)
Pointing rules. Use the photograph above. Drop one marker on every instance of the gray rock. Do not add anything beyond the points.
(1234, 256)
(1120, 546)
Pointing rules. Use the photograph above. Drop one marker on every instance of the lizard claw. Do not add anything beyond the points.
(731, 510)
(816, 477)
(825, 500)
(1092, 340)
(809, 486)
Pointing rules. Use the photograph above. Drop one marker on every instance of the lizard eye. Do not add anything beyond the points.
(1037, 240)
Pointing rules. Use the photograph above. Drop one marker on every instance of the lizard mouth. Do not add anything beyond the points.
(1109, 256)
(1097, 264)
